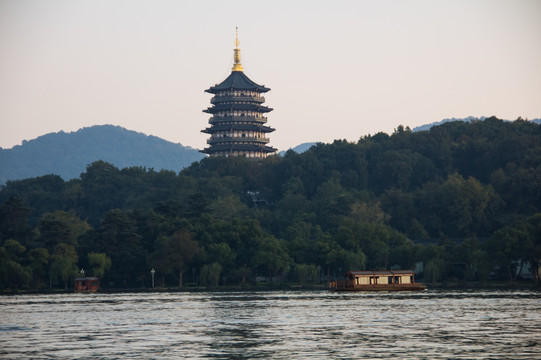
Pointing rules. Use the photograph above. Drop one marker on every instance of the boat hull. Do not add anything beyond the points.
(87, 285)
(379, 287)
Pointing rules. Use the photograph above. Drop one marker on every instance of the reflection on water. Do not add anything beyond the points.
(285, 325)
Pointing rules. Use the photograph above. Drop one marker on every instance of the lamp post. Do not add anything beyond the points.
(82, 272)
(152, 272)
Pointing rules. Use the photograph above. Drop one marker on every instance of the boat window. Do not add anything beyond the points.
(397, 279)
(390, 280)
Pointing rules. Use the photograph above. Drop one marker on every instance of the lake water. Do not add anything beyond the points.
(280, 325)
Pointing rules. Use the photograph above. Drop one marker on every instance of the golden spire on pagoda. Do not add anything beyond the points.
(236, 54)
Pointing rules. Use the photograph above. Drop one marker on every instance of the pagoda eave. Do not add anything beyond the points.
(237, 107)
(226, 120)
(226, 99)
(237, 127)
(238, 147)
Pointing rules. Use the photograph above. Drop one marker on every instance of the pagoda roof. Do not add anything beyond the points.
(236, 106)
(237, 81)
(241, 127)
(238, 147)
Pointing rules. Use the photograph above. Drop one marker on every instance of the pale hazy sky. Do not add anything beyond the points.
(337, 69)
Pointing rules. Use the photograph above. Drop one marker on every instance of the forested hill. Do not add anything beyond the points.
(468, 119)
(464, 199)
(67, 154)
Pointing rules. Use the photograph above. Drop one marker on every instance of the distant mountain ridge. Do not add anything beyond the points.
(299, 149)
(468, 119)
(68, 154)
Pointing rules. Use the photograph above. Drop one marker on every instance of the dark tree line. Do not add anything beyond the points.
(463, 199)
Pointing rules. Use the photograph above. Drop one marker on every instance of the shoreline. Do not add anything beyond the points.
(278, 287)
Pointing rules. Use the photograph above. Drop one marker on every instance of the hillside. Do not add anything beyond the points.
(462, 198)
(68, 154)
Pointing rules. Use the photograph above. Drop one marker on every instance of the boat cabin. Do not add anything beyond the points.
(377, 280)
(381, 277)
(87, 284)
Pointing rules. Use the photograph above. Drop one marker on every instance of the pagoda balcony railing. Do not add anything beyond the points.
(228, 98)
(221, 119)
(236, 139)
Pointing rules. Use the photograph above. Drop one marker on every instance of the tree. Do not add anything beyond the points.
(176, 253)
(12, 273)
(434, 270)
(210, 274)
(119, 238)
(290, 207)
(458, 207)
(467, 253)
(14, 221)
(331, 202)
(100, 263)
(368, 212)
(433, 257)
(38, 259)
(14, 250)
(241, 275)
(403, 255)
(306, 272)
(197, 205)
(480, 261)
(101, 190)
(159, 258)
(221, 253)
(533, 225)
(354, 260)
(64, 263)
(509, 248)
(228, 207)
(378, 242)
(61, 227)
(392, 169)
(271, 258)
(301, 238)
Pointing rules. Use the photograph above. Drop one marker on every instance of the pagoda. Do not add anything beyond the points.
(237, 125)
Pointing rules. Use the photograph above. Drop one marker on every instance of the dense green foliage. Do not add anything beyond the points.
(463, 199)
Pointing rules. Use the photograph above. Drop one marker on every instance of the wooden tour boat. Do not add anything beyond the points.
(87, 284)
(396, 280)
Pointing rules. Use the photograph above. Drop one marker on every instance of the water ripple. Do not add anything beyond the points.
(281, 325)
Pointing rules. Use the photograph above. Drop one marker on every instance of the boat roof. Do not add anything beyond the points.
(388, 273)
(87, 278)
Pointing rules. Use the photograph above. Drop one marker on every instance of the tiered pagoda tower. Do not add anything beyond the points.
(237, 126)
